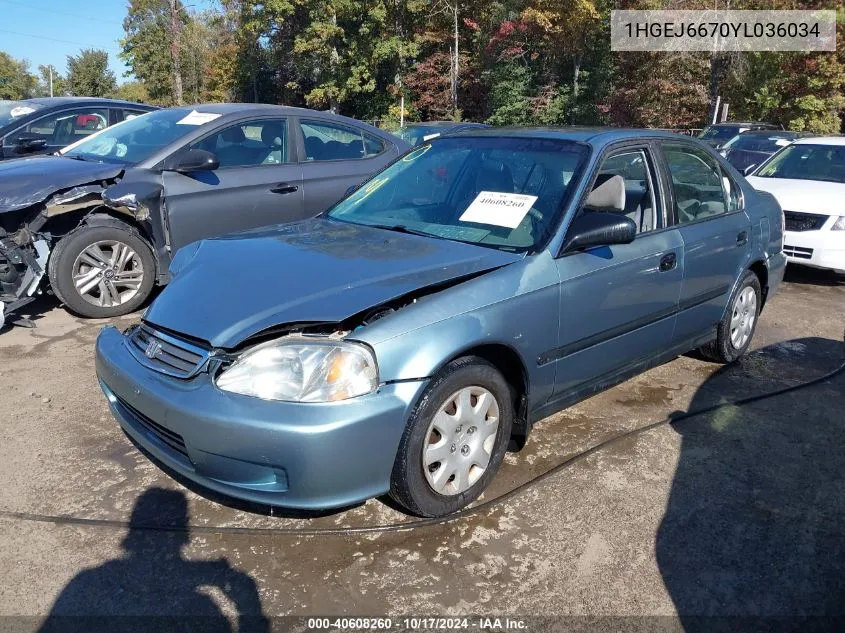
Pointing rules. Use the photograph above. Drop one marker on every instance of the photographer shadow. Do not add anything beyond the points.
(752, 537)
(153, 587)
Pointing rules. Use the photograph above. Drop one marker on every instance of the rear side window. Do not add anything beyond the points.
(697, 182)
(122, 115)
(327, 141)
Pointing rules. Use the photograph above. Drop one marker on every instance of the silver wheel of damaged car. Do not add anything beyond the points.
(108, 273)
(460, 440)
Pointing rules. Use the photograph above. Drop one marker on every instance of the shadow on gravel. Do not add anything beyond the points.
(153, 587)
(797, 274)
(754, 522)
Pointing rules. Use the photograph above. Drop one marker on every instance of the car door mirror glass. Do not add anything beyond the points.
(194, 160)
(594, 228)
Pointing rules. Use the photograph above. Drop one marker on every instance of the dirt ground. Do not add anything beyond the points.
(738, 512)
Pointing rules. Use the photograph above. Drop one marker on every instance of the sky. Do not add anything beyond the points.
(47, 31)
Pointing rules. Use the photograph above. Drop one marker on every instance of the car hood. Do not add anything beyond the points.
(28, 181)
(227, 289)
(804, 196)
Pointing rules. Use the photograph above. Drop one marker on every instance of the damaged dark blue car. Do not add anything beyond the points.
(402, 341)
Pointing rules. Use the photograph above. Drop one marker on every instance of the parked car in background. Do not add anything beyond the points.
(103, 218)
(749, 149)
(416, 133)
(718, 134)
(808, 179)
(482, 282)
(46, 125)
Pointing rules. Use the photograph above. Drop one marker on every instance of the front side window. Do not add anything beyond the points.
(249, 144)
(505, 193)
(327, 141)
(628, 175)
(697, 182)
(807, 162)
(64, 128)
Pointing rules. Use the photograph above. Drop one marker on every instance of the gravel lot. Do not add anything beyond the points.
(737, 512)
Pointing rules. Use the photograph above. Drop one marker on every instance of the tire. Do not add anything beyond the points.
(734, 333)
(137, 273)
(410, 484)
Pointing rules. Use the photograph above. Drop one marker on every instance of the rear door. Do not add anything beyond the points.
(257, 183)
(335, 158)
(619, 303)
(707, 207)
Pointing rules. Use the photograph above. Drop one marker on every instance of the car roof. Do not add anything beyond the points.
(442, 123)
(63, 101)
(780, 133)
(596, 135)
(821, 140)
(741, 124)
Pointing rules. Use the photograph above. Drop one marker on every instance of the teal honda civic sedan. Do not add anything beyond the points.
(403, 340)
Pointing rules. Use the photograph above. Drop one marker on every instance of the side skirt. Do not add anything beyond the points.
(611, 379)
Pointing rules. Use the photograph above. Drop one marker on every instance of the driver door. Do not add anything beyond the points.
(618, 303)
(255, 185)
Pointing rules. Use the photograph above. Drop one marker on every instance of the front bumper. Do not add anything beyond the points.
(821, 248)
(295, 455)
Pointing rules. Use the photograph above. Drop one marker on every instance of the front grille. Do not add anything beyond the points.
(804, 221)
(166, 353)
(797, 251)
(170, 438)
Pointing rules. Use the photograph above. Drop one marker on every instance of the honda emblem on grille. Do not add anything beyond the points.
(153, 349)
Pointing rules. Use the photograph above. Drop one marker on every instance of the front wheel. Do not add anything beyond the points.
(101, 272)
(455, 439)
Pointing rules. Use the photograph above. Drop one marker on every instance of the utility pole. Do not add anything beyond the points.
(175, 51)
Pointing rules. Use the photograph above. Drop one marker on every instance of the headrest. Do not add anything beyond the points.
(608, 194)
(272, 134)
(234, 135)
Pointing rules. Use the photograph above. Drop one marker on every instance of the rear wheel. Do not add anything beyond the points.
(455, 439)
(102, 271)
(735, 331)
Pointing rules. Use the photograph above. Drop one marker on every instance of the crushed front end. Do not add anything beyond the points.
(23, 259)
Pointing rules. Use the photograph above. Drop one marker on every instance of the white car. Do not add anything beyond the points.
(808, 180)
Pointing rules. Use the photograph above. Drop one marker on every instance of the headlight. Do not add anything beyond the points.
(839, 225)
(301, 369)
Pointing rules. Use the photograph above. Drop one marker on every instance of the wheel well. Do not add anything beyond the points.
(759, 269)
(507, 361)
(61, 225)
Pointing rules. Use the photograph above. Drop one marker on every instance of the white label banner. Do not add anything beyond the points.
(498, 209)
(198, 118)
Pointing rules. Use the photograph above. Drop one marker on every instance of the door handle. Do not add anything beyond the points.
(668, 262)
(284, 187)
(742, 239)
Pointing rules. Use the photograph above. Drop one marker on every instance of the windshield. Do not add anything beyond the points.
(416, 134)
(504, 193)
(11, 110)
(720, 132)
(757, 143)
(807, 162)
(137, 139)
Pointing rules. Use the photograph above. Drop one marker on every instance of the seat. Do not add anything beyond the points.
(273, 136)
(234, 153)
(314, 148)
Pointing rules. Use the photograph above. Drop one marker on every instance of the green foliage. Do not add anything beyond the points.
(132, 91)
(16, 82)
(88, 74)
(60, 87)
(146, 47)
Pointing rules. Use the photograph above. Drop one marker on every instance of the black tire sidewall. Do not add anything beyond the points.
(69, 248)
(725, 348)
(409, 486)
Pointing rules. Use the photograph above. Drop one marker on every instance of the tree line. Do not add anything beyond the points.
(507, 62)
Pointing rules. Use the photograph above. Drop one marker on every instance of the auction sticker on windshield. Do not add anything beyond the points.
(197, 118)
(499, 209)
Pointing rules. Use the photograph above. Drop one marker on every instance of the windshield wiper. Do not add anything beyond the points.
(401, 228)
(77, 157)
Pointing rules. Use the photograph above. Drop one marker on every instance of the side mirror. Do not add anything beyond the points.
(193, 160)
(747, 171)
(30, 142)
(595, 228)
